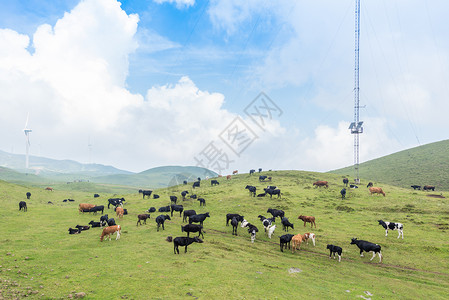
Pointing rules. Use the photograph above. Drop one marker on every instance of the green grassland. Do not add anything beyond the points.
(38, 257)
(423, 165)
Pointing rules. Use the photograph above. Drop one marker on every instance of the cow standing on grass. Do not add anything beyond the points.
(367, 247)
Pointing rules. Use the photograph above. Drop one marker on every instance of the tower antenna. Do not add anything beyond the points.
(27, 141)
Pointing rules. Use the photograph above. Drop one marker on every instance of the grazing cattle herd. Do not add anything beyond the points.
(286, 241)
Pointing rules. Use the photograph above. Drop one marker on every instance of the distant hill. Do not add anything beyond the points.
(157, 177)
(427, 164)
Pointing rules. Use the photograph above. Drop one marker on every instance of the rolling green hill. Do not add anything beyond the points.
(423, 165)
(39, 259)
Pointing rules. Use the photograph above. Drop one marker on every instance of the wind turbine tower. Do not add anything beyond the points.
(356, 126)
(27, 138)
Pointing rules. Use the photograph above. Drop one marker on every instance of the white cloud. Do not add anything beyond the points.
(180, 4)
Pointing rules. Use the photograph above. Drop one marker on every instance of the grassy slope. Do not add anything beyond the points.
(142, 264)
(427, 164)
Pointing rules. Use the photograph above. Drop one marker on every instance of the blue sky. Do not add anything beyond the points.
(151, 83)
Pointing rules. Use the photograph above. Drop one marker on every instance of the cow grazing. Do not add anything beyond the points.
(416, 187)
(111, 230)
(252, 229)
(28, 195)
(184, 241)
(193, 228)
(145, 193)
(262, 177)
(230, 216)
(284, 241)
(198, 218)
(160, 220)
(345, 181)
(151, 209)
(82, 227)
(296, 242)
(367, 247)
(179, 208)
(173, 199)
(94, 224)
(252, 190)
(202, 201)
(428, 188)
(74, 231)
(23, 205)
(214, 182)
(184, 194)
(308, 219)
(155, 196)
(270, 230)
(370, 184)
(252, 171)
(164, 209)
(115, 202)
(272, 192)
(393, 226)
(286, 224)
(188, 213)
(228, 177)
(142, 217)
(335, 249)
(111, 222)
(309, 236)
(196, 184)
(321, 183)
(96, 209)
(104, 220)
(234, 224)
(120, 211)
(276, 212)
(376, 190)
(85, 207)
(266, 222)
(343, 193)
(49, 189)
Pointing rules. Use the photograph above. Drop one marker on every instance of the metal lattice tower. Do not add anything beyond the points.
(356, 126)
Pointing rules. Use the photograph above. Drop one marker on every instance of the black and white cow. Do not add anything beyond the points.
(115, 202)
(393, 226)
(335, 249)
(367, 247)
(252, 229)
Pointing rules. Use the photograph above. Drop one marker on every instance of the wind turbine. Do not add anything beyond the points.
(27, 137)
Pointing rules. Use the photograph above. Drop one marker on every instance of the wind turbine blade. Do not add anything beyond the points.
(26, 123)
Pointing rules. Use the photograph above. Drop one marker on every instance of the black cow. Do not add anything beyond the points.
(111, 222)
(370, 184)
(184, 241)
(284, 241)
(192, 228)
(252, 171)
(202, 201)
(160, 220)
(198, 218)
(184, 194)
(261, 195)
(260, 170)
(188, 213)
(173, 199)
(145, 193)
(94, 224)
(71, 200)
(345, 181)
(335, 249)
(416, 187)
(151, 209)
(164, 209)
(194, 196)
(252, 190)
(96, 209)
(28, 195)
(155, 196)
(179, 208)
(230, 216)
(276, 212)
(23, 205)
(343, 193)
(196, 184)
(286, 224)
(234, 223)
(214, 182)
(184, 182)
(262, 177)
(367, 247)
(273, 192)
(74, 231)
(96, 195)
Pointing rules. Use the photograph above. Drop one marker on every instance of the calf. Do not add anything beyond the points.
(151, 210)
(111, 222)
(95, 224)
(270, 230)
(276, 212)
(261, 195)
(252, 230)
(343, 193)
(284, 241)
(104, 220)
(110, 230)
(393, 226)
(308, 219)
(184, 241)
(160, 220)
(307, 236)
(120, 211)
(321, 183)
(74, 231)
(335, 249)
(179, 208)
(82, 227)
(192, 228)
(202, 201)
(142, 217)
(198, 218)
(23, 205)
(296, 242)
(266, 222)
(252, 190)
(164, 208)
(234, 223)
(230, 216)
(28, 195)
(188, 213)
(286, 224)
(214, 182)
(367, 247)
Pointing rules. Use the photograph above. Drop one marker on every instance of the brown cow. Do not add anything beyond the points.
(142, 217)
(321, 183)
(307, 236)
(309, 219)
(296, 242)
(85, 207)
(228, 177)
(120, 211)
(49, 189)
(235, 172)
(376, 190)
(110, 230)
